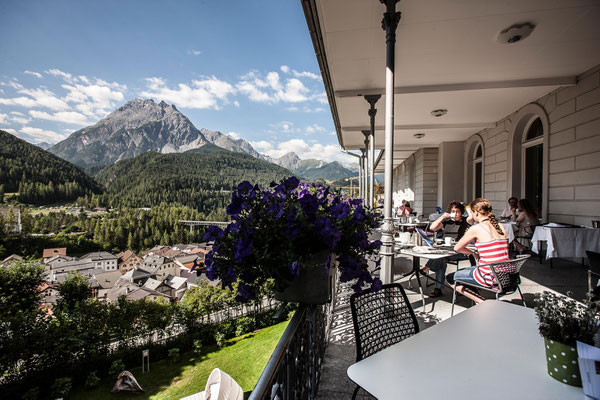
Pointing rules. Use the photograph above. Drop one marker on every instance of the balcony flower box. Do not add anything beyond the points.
(291, 233)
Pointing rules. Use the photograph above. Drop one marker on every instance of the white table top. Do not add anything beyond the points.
(428, 256)
(566, 241)
(510, 231)
(491, 351)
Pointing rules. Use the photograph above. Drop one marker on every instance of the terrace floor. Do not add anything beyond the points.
(564, 277)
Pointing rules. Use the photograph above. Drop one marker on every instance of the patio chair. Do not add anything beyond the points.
(506, 274)
(381, 319)
(593, 269)
(219, 386)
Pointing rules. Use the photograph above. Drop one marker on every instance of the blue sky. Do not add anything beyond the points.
(246, 68)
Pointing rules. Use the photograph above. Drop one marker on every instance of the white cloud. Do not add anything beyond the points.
(306, 74)
(236, 103)
(41, 135)
(11, 131)
(67, 117)
(193, 52)
(306, 150)
(3, 118)
(234, 135)
(285, 69)
(315, 128)
(207, 93)
(262, 145)
(57, 72)
(272, 89)
(94, 99)
(19, 118)
(36, 74)
(37, 98)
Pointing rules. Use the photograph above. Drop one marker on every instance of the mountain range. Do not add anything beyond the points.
(141, 126)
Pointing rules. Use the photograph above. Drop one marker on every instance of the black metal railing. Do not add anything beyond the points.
(294, 370)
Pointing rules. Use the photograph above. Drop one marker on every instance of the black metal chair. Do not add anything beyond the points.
(593, 269)
(506, 276)
(381, 319)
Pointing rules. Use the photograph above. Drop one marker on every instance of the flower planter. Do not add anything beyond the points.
(562, 362)
(312, 286)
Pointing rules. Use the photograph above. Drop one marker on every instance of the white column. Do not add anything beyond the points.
(389, 24)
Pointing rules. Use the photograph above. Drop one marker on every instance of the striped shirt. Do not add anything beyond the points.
(490, 252)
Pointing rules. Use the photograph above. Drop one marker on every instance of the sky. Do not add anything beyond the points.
(245, 68)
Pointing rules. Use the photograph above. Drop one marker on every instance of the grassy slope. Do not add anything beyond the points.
(244, 359)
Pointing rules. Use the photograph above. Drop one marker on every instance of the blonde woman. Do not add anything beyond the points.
(491, 242)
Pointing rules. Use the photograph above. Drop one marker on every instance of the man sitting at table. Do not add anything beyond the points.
(512, 210)
(454, 224)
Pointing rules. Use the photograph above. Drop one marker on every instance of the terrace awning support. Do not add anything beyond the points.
(367, 166)
(372, 99)
(363, 180)
(390, 21)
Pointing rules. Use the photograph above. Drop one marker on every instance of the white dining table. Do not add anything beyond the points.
(491, 351)
(566, 241)
(510, 230)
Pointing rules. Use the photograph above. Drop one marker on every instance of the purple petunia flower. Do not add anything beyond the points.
(295, 268)
(242, 249)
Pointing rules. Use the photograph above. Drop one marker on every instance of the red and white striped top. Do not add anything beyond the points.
(489, 253)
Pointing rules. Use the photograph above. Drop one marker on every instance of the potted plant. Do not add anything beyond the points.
(288, 234)
(563, 322)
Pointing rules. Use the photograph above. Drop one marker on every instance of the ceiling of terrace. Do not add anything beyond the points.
(448, 57)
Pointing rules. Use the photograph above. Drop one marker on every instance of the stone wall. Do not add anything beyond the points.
(571, 152)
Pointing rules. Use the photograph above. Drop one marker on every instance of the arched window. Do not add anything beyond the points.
(474, 168)
(478, 172)
(528, 157)
(533, 163)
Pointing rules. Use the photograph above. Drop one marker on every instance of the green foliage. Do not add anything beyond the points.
(73, 291)
(565, 320)
(244, 325)
(92, 380)
(201, 181)
(61, 387)
(198, 346)
(116, 368)
(220, 339)
(39, 176)
(174, 354)
(19, 283)
(32, 394)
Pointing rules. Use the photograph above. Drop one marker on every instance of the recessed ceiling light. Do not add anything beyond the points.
(515, 33)
(419, 135)
(439, 112)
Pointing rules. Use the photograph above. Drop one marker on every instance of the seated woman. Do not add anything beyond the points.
(455, 224)
(406, 209)
(527, 219)
(491, 242)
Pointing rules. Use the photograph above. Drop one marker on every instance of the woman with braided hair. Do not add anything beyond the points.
(491, 242)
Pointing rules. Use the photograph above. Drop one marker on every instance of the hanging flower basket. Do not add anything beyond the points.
(312, 286)
(283, 236)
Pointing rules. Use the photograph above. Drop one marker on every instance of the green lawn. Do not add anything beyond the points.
(244, 358)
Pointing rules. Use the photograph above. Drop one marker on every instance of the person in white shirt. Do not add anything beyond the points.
(511, 211)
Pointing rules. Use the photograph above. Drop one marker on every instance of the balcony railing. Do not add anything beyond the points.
(294, 370)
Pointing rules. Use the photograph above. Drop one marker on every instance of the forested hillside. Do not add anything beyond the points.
(200, 181)
(39, 176)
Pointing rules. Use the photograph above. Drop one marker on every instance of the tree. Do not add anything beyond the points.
(19, 288)
(74, 290)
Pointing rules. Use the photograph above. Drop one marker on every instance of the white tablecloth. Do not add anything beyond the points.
(566, 242)
(508, 227)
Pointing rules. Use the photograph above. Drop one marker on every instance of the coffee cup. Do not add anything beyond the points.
(448, 241)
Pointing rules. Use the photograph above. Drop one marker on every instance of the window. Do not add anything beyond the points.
(533, 163)
(478, 172)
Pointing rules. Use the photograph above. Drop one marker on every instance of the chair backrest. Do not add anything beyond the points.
(594, 260)
(507, 274)
(381, 319)
(221, 386)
